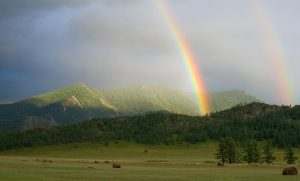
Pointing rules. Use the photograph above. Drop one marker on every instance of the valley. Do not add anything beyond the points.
(156, 145)
(149, 90)
(176, 162)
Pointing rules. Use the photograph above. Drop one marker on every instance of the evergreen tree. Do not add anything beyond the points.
(228, 151)
(252, 153)
(222, 152)
(289, 155)
(268, 153)
(232, 150)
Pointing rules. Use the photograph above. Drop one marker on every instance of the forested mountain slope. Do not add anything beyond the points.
(279, 124)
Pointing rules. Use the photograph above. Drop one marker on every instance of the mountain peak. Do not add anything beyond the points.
(62, 94)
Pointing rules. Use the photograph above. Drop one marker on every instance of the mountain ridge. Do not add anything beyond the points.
(80, 102)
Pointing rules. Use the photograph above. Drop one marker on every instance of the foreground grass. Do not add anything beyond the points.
(179, 162)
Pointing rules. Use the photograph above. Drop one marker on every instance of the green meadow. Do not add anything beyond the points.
(86, 161)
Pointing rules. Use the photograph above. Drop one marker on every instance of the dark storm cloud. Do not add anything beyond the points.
(105, 44)
(10, 8)
(19, 7)
(45, 44)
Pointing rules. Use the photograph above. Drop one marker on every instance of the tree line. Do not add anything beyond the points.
(230, 151)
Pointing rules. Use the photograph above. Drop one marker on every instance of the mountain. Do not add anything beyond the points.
(80, 102)
(259, 121)
(226, 100)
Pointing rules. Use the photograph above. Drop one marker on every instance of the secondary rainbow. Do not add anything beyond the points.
(275, 54)
(187, 58)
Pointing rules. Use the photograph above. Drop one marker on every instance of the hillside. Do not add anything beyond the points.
(79, 102)
(280, 124)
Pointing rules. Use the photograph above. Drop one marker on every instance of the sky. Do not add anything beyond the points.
(251, 45)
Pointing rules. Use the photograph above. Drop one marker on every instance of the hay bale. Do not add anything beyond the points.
(221, 164)
(290, 171)
(209, 162)
(116, 165)
(96, 161)
(158, 161)
(106, 161)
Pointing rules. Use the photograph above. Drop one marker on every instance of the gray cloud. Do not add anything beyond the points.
(48, 44)
(11, 8)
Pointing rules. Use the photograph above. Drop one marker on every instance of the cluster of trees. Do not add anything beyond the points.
(281, 127)
(229, 151)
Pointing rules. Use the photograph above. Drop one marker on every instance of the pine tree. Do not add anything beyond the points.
(232, 150)
(228, 151)
(268, 153)
(289, 155)
(222, 152)
(252, 153)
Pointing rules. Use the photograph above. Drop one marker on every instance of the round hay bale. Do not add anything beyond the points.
(116, 165)
(106, 161)
(221, 164)
(290, 171)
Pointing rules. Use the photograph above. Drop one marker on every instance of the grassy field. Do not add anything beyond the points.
(179, 162)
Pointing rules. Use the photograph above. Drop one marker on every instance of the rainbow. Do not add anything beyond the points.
(275, 54)
(187, 58)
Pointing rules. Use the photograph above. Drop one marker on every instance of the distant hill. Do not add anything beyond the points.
(80, 102)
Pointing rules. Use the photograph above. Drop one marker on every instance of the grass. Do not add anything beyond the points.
(161, 162)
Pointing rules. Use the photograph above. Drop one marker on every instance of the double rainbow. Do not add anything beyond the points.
(275, 54)
(187, 58)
